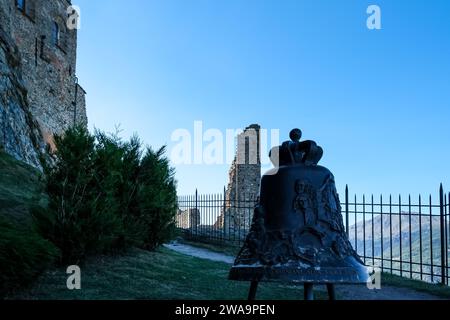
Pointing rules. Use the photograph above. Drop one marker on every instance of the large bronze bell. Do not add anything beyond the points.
(297, 233)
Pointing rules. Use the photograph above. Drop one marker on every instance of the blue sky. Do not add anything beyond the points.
(377, 101)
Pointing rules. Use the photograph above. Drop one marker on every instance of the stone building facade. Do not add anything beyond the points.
(46, 50)
(244, 182)
(188, 219)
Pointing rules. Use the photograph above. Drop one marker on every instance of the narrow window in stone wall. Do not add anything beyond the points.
(36, 48)
(20, 4)
(55, 33)
(60, 34)
(27, 7)
(63, 39)
(44, 48)
(30, 8)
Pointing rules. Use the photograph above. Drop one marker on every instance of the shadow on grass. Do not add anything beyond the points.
(398, 281)
(162, 274)
(387, 278)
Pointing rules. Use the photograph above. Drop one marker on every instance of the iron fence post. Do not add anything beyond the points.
(446, 238)
(356, 224)
(381, 233)
(447, 225)
(346, 211)
(390, 232)
(431, 240)
(442, 228)
(197, 211)
(373, 233)
(224, 225)
(410, 239)
(400, 232)
(364, 227)
(420, 238)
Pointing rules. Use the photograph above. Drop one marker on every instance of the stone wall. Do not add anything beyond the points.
(48, 63)
(244, 182)
(189, 218)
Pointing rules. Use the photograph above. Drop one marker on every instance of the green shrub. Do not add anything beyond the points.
(104, 196)
(80, 218)
(157, 198)
(24, 254)
(117, 166)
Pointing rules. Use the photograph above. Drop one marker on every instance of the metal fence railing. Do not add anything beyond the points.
(408, 237)
(213, 218)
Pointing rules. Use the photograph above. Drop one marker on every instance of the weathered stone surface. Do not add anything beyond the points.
(186, 219)
(19, 134)
(40, 94)
(244, 183)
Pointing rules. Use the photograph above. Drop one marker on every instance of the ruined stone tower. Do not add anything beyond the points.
(244, 182)
(39, 51)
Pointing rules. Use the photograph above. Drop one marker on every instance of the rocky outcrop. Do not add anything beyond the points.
(19, 133)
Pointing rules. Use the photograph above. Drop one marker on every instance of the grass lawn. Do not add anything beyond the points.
(20, 187)
(397, 281)
(162, 274)
(386, 278)
(139, 274)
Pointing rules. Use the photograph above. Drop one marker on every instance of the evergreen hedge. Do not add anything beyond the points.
(105, 195)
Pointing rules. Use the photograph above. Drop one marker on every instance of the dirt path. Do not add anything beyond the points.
(199, 252)
(346, 292)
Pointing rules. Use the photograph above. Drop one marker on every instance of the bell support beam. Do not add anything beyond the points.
(252, 291)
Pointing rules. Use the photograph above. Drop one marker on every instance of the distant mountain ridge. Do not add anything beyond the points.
(382, 226)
